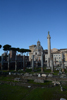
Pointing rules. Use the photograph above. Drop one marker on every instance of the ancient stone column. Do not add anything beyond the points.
(48, 62)
(24, 62)
(32, 62)
(41, 61)
(54, 62)
(21, 63)
(59, 63)
(51, 64)
(8, 61)
(36, 63)
(15, 62)
(49, 50)
(62, 66)
(1, 62)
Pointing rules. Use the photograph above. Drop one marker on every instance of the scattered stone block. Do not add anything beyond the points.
(47, 67)
(26, 74)
(44, 75)
(29, 86)
(9, 73)
(24, 80)
(63, 76)
(17, 79)
(18, 73)
(21, 73)
(39, 80)
(35, 74)
(56, 83)
(29, 67)
(61, 89)
(60, 72)
(62, 99)
(13, 73)
(39, 75)
(30, 75)
(50, 75)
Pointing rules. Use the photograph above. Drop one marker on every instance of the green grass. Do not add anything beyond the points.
(6, 78)
(9, 92)
(36, 92)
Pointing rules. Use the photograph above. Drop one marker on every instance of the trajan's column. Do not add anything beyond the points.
(49, 50)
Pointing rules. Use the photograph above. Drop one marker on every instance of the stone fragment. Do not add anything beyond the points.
(50, 75)
(26, 74)
(56, 83)
(63, 76)
(17, 79)
(32, 62)
(35, 74)
(41, 61)
(62, 99)
(44, 75)
(39, 80)
(30, 74)
(39, 75)
(29, 86)
(61, 89)
(9, 73)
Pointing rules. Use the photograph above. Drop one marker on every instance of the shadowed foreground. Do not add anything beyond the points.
(10, 92)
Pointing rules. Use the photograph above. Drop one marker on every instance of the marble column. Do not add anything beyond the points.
(8, 61)
(24, 62)
(21, 63)
(62, 66)
(48, 62)
(1, 62)
(49, 50)
(36, 63)
(15, 62)
(51, 64)
(32, 62)
(41, 61)
(54, 62)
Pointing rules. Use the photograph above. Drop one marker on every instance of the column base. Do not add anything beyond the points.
(41, 69)
(62, 70)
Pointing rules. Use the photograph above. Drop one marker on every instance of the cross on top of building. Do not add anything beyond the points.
(48, 32)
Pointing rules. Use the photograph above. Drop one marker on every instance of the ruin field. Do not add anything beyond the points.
(29, 90)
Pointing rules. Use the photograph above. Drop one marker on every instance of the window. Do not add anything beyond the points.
(35, 53)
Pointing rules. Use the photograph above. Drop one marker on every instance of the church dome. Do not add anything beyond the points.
(38, 49)
(38, 41)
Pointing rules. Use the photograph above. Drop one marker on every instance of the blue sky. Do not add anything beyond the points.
(24, 22)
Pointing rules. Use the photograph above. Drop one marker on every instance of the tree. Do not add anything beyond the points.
(0, 45)
(7, 48)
